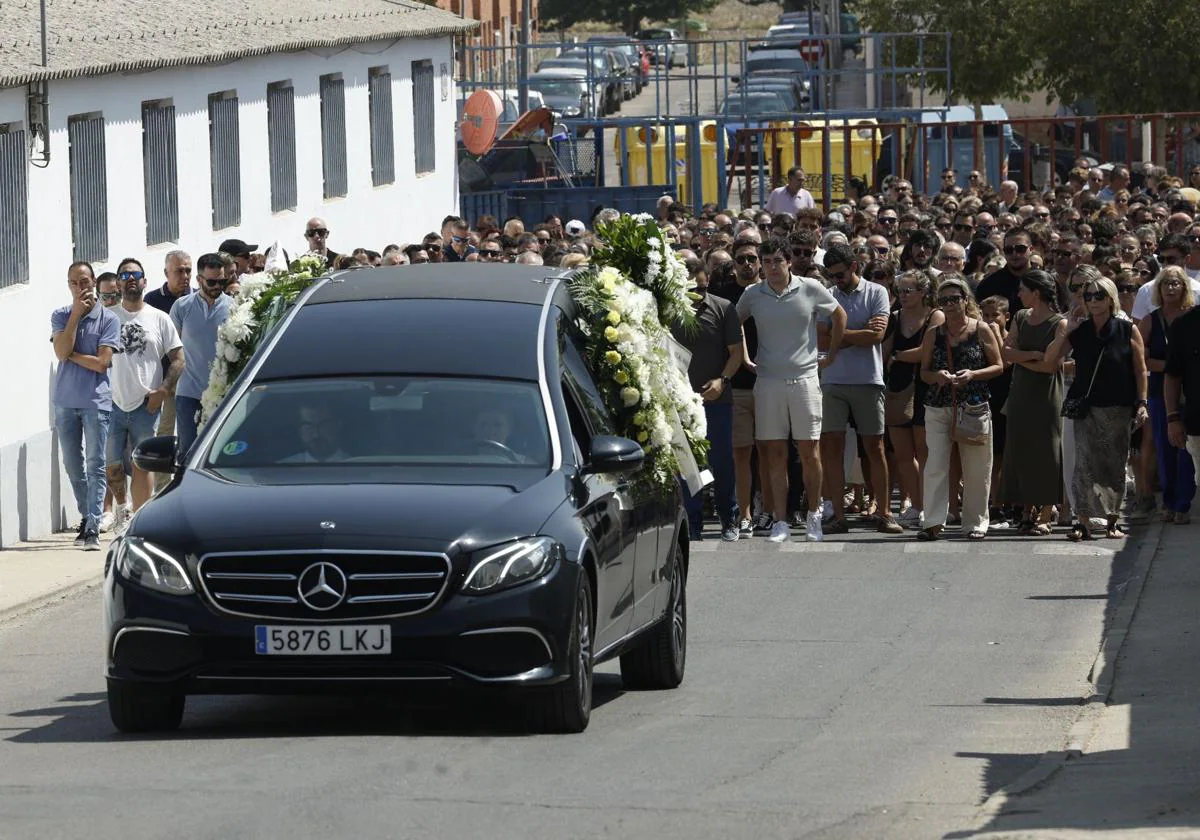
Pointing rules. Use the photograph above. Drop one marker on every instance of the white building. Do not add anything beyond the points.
(152, 126)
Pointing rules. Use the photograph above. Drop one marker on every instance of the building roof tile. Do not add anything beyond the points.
(94, 37)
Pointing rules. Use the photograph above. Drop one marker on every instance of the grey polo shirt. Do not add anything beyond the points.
(859, 365)
(787, 325)
(197, 324)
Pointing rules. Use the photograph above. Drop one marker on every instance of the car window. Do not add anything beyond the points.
(389, 420)
(575, 370)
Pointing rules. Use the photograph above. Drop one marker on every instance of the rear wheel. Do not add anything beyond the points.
(142, 707)
(659, 660)
(567, 706)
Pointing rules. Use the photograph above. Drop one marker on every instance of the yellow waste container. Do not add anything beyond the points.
(865, 141)
(650, 143)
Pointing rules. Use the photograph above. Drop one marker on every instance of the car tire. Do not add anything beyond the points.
(140, 707)
(567, 706)
(658, 662)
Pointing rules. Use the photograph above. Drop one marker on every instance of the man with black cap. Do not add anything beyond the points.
(240, 252)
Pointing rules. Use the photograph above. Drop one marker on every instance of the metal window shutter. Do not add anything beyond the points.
(383, 155)
(225, 156)
(14, 209)
(161, 174)
(333, 136)
(281, 145)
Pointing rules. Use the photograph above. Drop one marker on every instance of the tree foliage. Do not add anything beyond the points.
(560, 14)
(1126, 56)
(991, 53)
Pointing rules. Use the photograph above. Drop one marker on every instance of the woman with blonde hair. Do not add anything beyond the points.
(1172, 297)
(1106, 400)
(957, 360)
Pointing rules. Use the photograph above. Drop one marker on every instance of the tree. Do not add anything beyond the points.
(991, 53)
(560, 14)
(1126, 56)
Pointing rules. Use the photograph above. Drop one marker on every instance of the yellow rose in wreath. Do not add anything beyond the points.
(612, 357)
(611, 334)
(621, 377)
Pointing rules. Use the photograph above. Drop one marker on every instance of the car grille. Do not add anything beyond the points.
(324, 586)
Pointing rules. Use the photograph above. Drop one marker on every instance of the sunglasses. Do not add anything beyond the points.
(943, 226)
(764, 226)
(1092, 297)
(883, 252)
(489, 255)
(131, 275)
(950, 300)
(837, 275)
(1060, 254)
(109, 295)
(804, 252)
(316, 232)
(967, 228)
(745, 259)
(887, 220)
(1041, 215)
(906, 291)
(458, 239)
(1015, 249)
(707, 231)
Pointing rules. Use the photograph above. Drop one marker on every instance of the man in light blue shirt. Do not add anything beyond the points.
(197, 317)
(84, 335)
(852, 386)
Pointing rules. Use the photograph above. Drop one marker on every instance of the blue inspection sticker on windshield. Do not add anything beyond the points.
(235, 447)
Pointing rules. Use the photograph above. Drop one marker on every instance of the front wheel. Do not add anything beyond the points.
(659, 660)
(142, 707)
(567, 706)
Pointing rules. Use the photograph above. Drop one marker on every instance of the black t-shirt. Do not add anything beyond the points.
(717, 328)
(1183, 360)
(1003, 283)
(1112, 349)
(743, 379)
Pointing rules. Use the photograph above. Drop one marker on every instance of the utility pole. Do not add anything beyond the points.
(523, 49)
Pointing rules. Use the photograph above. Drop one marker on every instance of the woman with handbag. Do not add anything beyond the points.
(1106, 400)
(1032, 473)
(904, 397)
(1176, 474)
(957, 360)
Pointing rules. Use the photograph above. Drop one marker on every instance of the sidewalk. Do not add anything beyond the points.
(1139, 772)
(41, 571)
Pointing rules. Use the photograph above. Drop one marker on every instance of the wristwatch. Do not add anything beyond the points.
(725, 381)
(1141, 404)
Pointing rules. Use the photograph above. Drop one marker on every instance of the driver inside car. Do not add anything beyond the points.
(320, 432)
(491, 431)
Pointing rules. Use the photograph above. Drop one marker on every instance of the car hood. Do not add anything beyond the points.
(205, 513)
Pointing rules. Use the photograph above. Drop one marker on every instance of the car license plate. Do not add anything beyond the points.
(342, 640)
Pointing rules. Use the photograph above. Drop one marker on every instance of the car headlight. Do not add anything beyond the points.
(147, 565)
(570, 111)
(500, 567)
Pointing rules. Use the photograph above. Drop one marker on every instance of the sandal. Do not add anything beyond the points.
(1025, 529)
(977, 535)
(1041, 529)
(1115, 532)
(930, 534)
(1079, 533)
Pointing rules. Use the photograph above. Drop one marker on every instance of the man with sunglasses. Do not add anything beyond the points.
(886, 222)
(316, 237)
(805, 253)
(490, 252)
(460, 247)
(196, 319)
(852, 388)
(85, 335)
(140, 386)
(964, 228)
(791, 197)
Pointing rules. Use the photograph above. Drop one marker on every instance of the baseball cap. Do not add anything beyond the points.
(237, 248)
(574, 228)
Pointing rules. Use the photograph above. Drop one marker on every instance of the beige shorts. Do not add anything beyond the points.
(788, 408)
(743, 418)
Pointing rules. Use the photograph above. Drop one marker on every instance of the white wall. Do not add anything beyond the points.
(30, 500)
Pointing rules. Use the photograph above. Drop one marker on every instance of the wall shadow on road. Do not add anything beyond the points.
(83, 717)
(1139, 775)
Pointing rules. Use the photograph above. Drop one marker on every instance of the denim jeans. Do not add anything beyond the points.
(126, 429)
(720, 461)
(187, 414)
(76, 428)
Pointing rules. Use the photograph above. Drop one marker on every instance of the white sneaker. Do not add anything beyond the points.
(106, 522)
(780, 532)
(815, 534)
(121, 514)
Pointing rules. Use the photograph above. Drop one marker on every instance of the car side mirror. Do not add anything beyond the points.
(157, 454)
(612, 454)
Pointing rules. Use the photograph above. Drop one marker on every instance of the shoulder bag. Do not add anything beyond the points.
(972, 423)
(1076, 408)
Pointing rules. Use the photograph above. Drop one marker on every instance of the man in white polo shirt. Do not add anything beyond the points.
(791, 197)
(787, 392)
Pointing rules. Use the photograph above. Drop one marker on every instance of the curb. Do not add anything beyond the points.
(1101, 675)
(50, 598)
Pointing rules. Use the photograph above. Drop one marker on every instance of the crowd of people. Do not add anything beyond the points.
(978, 357)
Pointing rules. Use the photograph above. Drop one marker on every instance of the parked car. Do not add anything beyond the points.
(629, 76)
(796, 91)
(565, 91)
(667, 45)
(604, 71)
(609, 100)
(783, 62)
(379, 504)
(751, 109)
(634, 53)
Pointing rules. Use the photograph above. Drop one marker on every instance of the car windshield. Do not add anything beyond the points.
(350, 421)
(755, 104)
(558, 87)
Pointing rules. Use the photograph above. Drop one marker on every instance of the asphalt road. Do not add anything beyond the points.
(875, 687)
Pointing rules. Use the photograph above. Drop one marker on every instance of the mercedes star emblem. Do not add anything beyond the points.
(322, 586)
